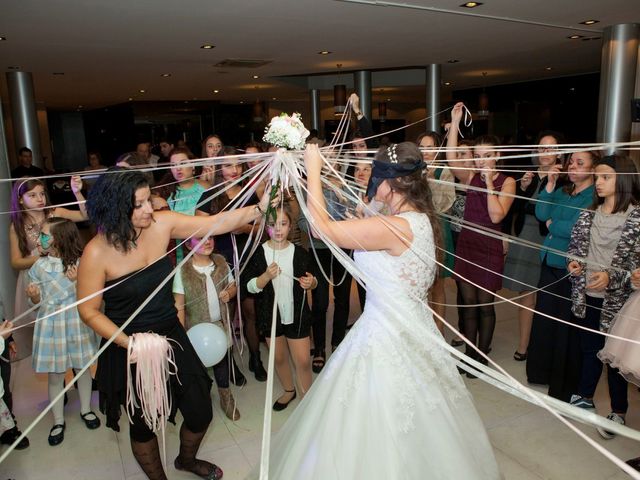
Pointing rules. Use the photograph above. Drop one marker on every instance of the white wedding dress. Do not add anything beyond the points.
(390, 403)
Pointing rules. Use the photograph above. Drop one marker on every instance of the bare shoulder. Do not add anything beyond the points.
(96, 252)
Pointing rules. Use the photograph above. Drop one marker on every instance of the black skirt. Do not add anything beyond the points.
(111, 374)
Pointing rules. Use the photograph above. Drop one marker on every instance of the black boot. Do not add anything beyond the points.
(255, 366)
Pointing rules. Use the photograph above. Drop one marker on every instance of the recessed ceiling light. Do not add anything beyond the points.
(548, 69)
(216, 91)
(241, 101)
(2, 39)
(273, 98)
(453, 61)
(572, 89)
(447, 83)
(207, 46)
(142, 91)
(165, 75)
(324, 52)
(589, 22)
(471, 4)
(14, 67)
(256, 76)
(388, 99)
(130, 99)
(574, 37)
(80, 106)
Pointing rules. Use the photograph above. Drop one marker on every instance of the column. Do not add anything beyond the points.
(617, 82)
(362, 82)
(7, 274)
(433, 97)
(23, 114)
(314, 98)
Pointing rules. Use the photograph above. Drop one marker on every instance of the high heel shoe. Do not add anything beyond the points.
(278, 406)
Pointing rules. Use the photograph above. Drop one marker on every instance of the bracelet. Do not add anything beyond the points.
(262, 214)
(494, 192)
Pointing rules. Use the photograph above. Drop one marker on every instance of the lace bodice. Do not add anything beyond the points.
(408, 276)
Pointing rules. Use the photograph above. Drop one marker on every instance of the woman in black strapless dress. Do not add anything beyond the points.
(129, 255)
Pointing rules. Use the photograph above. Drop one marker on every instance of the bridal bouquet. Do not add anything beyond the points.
(287, 132)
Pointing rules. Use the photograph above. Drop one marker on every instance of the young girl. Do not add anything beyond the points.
(180, 186)
(195, 289)
(282, 267)
(29, 209)
(487, 205)
(211, 147)
(604, 249)
(60, 341)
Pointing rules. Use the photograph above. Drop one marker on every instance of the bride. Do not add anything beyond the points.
(390, 403)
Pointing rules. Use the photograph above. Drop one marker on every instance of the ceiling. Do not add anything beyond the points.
(96, 53)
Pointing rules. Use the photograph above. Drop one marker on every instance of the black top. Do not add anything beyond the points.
(30, 171)
(121, 301)
(523, 206)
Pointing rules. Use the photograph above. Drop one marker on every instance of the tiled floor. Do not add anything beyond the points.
(529, 443)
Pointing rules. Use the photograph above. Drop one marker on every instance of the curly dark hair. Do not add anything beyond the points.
(66, 240)
(110, 206)
(414, 187)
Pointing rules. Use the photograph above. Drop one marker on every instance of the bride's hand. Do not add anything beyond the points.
(313, 159)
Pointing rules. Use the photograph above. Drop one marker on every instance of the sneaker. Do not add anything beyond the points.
(581, 402)
(614, 417)
(11, 436)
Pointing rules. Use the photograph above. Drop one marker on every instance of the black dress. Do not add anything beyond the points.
(158, 316)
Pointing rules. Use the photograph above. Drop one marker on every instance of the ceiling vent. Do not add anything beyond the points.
(242, 63)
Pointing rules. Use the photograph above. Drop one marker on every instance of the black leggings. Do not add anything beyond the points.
(479, 322)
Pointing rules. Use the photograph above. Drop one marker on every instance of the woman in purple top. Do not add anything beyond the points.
(479, 253)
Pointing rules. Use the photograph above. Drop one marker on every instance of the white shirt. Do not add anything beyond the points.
(283, 283)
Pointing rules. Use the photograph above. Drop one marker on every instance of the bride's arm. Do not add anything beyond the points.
(376, 233)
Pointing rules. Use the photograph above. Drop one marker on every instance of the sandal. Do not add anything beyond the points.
(318, 361)
(456, 342)
(278, 406)
(519, 357)
(214, 471)
(91, 420)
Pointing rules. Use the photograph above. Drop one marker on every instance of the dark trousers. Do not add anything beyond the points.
(5, 373)
(554, 348)
(341, 293)
(590, 344)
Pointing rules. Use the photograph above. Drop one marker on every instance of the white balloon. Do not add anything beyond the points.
(209, 342)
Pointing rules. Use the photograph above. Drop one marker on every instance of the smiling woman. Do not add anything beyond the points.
(130, 239)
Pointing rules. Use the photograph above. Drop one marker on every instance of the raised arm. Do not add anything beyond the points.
(183, 226)
(74, 215)
(463, 175)
(392, 234)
